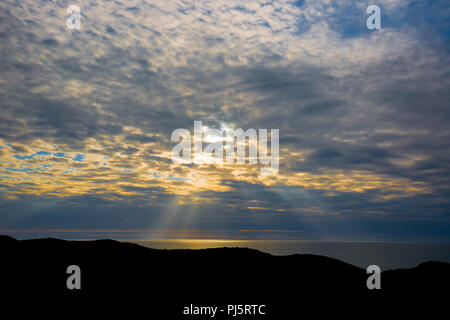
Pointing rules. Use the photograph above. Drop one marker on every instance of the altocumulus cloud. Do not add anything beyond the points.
(363, 117)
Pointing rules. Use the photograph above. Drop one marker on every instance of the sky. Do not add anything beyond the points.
(86, 118)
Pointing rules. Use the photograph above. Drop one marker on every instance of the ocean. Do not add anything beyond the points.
(387, 255)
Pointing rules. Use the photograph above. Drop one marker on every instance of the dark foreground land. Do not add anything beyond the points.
(121, 277)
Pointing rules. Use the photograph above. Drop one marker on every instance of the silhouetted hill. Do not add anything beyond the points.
(117, 276)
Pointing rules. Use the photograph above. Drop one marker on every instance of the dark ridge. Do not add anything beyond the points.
(124, 276)
(6, 239)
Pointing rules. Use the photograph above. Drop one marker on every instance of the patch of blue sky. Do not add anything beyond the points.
(42, 153)
(299, 3)
(78, 157)
(31, 156)
(177, 178)
(349, 22)
(423, 16)
(430, 17)
(20, 169)
(59, 155)
(23, 157)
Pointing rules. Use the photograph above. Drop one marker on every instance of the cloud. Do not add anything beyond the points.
(363, 115)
